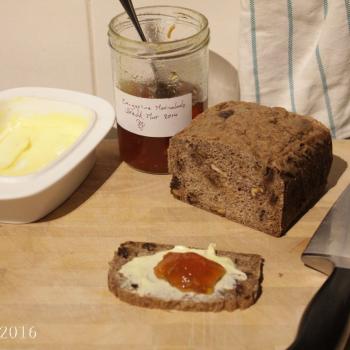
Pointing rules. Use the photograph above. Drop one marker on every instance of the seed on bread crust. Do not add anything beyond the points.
(239, 289)
(149, 246)
(175, 183)
(123, 252)
(192, 198)
(226, 114)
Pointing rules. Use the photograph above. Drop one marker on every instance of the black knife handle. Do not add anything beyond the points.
(325, 318)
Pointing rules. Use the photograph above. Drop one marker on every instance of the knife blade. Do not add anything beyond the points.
(324, 322)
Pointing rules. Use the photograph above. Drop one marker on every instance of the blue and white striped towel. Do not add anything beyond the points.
(296, 54)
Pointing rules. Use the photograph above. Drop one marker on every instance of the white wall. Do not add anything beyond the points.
(63, 43)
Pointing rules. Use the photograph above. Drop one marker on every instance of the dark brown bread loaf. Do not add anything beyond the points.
(260, 166)
(241, 296)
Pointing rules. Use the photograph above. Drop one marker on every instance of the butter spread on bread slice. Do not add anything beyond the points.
(131, 278)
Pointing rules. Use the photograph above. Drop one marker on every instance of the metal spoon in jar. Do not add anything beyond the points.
(130, 10)
(162, 89)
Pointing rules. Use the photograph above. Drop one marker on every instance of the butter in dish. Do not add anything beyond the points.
(48, 139)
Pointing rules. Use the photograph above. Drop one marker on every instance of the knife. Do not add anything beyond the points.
(324, 325)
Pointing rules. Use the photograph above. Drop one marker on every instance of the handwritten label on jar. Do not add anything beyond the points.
(154, 117)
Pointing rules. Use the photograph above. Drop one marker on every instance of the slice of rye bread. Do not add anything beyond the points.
(241, 296)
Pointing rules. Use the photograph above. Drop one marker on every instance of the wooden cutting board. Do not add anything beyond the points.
(53, 290)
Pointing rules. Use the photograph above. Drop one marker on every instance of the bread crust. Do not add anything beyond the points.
(242, 296)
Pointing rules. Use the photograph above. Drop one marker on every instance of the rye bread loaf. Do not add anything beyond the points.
(260, 166)
(241, 296)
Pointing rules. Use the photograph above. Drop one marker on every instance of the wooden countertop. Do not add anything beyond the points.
(54, 272)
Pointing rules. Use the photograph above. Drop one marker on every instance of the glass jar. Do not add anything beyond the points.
(161, 84)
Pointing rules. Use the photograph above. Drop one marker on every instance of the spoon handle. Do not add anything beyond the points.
(129, 8)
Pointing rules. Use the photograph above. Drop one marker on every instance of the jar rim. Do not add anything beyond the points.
(202, 33)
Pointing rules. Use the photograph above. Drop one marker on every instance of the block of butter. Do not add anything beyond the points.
(36, 131)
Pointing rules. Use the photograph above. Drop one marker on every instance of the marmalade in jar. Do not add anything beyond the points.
(147, 153)
(160, 84)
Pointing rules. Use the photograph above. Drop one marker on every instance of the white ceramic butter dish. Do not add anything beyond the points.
(28, 198)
